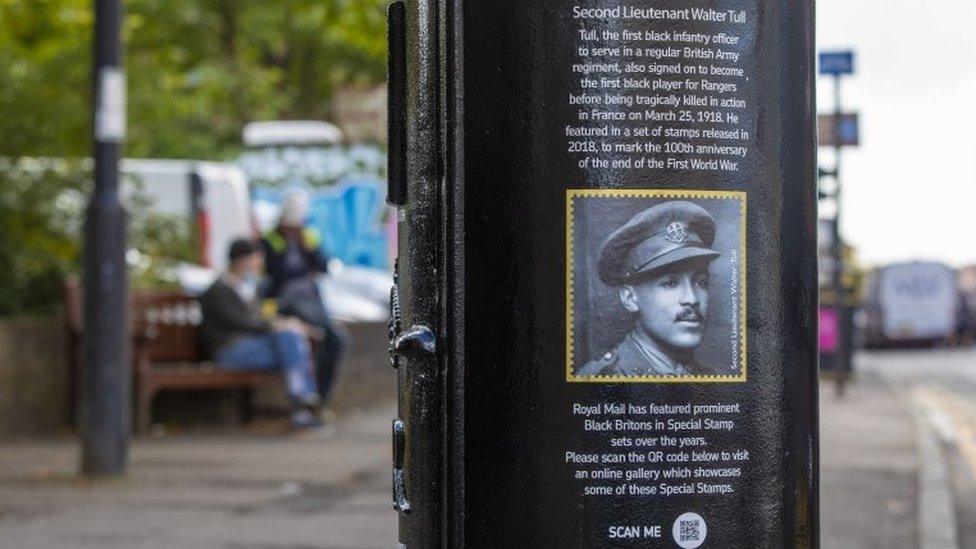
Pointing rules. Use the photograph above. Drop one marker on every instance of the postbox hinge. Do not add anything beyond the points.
(400, 502)
(394, 326)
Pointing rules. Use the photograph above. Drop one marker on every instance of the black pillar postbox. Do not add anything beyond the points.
(604, 325)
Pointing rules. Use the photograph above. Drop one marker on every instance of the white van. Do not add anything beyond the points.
(213, 196)
(911, 303)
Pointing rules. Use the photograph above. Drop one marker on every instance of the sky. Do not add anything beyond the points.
(910, 188)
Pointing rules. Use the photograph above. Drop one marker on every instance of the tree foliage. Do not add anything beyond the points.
(197, 71)
(40, 220)
(45, 63)
(42, 215)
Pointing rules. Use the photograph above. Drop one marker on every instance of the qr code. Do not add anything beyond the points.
(689, 530)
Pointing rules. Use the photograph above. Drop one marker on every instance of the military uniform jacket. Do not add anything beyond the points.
(633, 357)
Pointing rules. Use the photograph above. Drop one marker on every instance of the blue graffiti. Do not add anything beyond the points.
(349, 218)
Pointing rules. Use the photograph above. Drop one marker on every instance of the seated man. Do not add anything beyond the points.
(238, 337)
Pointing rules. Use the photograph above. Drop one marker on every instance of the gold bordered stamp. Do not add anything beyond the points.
(655, 286)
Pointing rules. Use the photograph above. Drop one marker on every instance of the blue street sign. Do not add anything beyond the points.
(837, 62)
(847, 132)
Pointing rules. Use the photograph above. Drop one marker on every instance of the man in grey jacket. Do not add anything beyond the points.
(238, 337)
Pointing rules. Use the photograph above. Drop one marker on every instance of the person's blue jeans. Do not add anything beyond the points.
(287, 351)
(302, 299)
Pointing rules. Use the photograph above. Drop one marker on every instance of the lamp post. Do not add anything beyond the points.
(106, 403)
(842, 131)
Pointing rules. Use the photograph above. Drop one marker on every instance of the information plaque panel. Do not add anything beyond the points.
(627, 331)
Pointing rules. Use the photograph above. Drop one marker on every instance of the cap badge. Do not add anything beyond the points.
(676, 232)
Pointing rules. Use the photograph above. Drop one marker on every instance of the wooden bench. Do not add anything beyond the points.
(74, 326)
(167, 354)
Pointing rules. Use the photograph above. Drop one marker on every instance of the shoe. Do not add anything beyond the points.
(310, 400)
(305, 419)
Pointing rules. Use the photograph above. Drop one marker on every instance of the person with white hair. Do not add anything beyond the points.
(294, 259)
(293, 250)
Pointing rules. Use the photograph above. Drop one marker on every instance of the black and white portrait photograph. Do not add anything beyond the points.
(655, 286)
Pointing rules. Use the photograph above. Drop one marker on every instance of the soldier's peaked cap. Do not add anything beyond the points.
(658, 237)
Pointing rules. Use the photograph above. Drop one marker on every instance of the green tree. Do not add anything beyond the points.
(45, 61)
(40, 218)
(197, 71)
(42, 207)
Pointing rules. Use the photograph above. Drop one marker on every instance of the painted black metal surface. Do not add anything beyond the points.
(417, 485)
(483, 265)
(397, 103)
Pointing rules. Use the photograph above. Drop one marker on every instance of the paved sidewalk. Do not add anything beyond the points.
(276, 492)
(868, 480)
(209, 491)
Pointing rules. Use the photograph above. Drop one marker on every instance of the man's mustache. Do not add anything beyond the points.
(689, 315)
